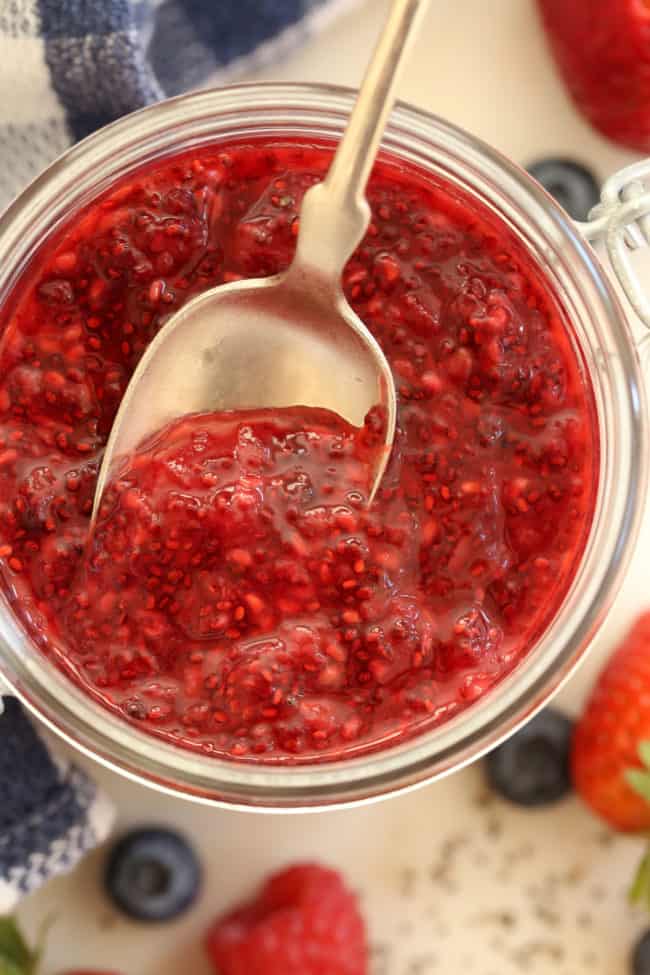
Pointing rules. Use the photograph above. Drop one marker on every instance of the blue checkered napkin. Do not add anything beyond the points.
(51, 813)
(68, 67)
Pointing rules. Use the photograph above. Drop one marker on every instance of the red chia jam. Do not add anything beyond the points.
(238, 596)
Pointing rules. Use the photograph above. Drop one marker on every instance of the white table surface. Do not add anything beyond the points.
(452, 880)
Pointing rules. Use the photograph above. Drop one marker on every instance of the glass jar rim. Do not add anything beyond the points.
(187, 121)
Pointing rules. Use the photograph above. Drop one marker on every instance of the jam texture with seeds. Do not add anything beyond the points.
(239, 597)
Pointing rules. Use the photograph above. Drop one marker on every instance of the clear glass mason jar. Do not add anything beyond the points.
(609, 350)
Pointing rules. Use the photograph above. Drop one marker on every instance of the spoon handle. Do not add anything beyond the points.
(335, 213)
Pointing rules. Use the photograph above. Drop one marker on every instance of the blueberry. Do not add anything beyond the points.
(640, 960)
(532, 767)
(570, 183)
(152, 874)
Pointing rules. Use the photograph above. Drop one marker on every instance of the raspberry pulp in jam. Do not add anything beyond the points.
(239, 597)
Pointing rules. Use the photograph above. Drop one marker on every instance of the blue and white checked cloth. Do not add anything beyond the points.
(68, 67)
(51, 813)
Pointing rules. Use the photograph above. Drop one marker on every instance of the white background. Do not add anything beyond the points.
(452, 881)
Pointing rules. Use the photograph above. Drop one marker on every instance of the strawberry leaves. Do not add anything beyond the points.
(16, 957)
(639, 892)
(639, 780)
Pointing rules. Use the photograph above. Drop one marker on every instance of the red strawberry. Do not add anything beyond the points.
(602, 49)
(610, 759)
(304, 921)
(609, 734)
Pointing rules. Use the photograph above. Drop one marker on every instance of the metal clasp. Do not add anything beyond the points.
(622, 221)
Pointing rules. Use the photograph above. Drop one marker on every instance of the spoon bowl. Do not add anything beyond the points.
(214, 354)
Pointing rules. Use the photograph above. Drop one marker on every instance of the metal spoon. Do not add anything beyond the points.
(291, 339)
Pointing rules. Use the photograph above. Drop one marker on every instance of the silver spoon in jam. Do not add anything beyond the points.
(291, 339)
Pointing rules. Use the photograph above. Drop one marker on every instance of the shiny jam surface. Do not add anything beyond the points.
(239, 597)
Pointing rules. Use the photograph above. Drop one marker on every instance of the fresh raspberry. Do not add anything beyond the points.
(304, 921)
